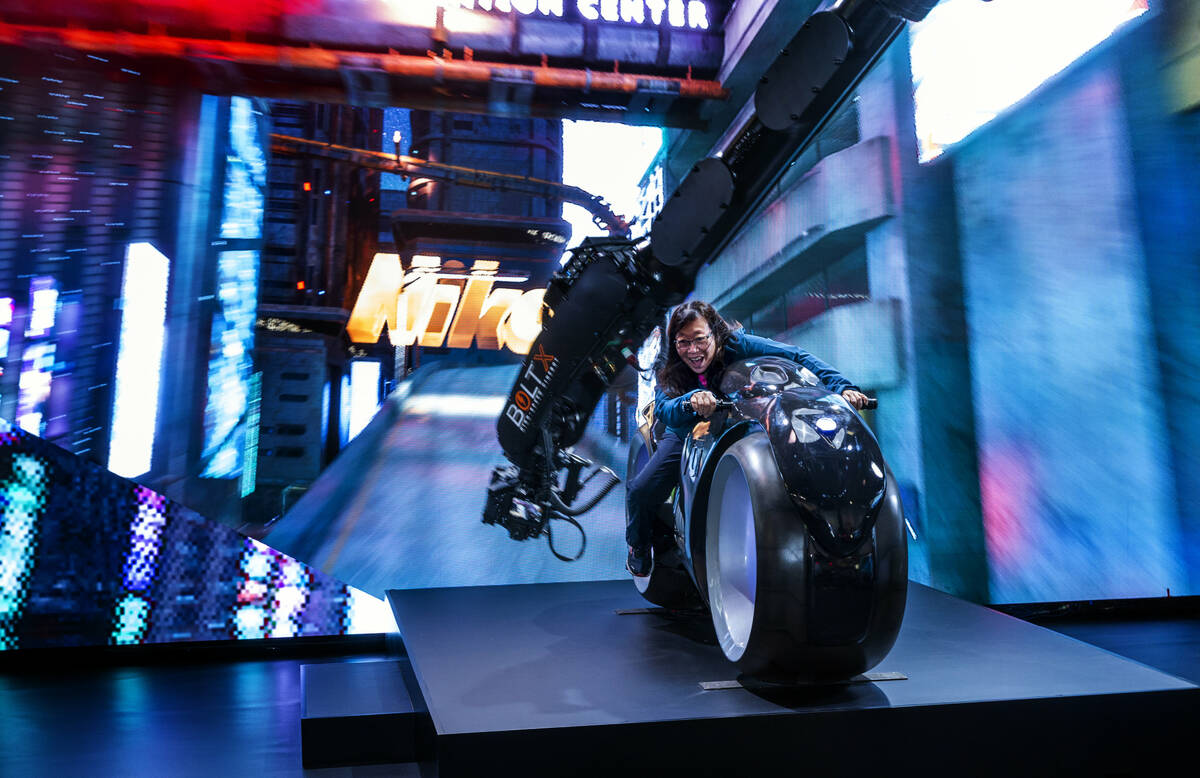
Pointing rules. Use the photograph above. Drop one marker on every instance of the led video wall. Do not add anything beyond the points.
(144, 225)
(91, 559)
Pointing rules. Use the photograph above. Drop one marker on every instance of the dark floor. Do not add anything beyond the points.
(204, 719)
(243, 718)
(1170, 645)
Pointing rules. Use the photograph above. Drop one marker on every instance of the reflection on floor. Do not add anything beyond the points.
(213, 719)
(243, 718)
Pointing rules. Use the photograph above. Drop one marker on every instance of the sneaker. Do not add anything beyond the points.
(639, 562)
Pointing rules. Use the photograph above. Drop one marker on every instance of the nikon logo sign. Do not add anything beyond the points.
(445, 305)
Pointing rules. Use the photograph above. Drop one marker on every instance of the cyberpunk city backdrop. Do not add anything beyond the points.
(248, 383)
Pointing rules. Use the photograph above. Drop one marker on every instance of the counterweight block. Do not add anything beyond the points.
(691, 212)
(802, 70)
(574, 334)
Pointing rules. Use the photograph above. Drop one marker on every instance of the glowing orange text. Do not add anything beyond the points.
(433, 306)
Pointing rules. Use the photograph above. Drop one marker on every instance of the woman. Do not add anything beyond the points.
(700, 343)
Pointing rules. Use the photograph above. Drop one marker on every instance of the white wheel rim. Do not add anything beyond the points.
(733, 562)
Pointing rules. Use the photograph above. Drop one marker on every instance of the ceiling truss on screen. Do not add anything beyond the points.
(463, 82)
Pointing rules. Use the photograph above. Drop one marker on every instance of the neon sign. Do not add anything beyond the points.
(435, 305)
(676, 13)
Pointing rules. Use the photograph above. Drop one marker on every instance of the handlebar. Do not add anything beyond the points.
(872, 404)
(721, 404)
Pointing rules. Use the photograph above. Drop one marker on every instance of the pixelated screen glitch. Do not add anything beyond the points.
(312, 352)
(135, 568)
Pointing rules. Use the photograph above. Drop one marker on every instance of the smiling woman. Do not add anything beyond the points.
(700, 343)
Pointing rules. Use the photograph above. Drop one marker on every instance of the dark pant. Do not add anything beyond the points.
(650, 489)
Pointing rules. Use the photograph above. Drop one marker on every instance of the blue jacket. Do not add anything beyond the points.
(742, 345)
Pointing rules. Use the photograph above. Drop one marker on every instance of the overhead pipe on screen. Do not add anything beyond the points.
(411, 167)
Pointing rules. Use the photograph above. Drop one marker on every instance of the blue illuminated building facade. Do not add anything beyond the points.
(98, 158)
(136, 212)
(89, 163)
(1023, 306)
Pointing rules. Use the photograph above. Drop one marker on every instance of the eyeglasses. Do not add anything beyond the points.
(683, 344)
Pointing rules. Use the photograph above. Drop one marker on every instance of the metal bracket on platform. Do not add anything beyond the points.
(712, 686)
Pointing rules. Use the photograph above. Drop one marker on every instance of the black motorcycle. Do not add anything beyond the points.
(787, 525)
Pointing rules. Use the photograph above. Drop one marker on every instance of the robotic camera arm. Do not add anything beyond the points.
(598, 309)
(606, 300)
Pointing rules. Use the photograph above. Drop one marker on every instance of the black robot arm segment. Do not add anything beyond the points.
(604, 302)
(597, 311)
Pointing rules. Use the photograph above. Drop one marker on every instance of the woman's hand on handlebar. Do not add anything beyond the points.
(703, 403)
(858, 399)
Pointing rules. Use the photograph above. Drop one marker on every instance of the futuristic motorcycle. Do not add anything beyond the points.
(787, 524)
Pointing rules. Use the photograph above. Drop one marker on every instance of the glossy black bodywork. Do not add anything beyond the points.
(828, 458)
(855, 562)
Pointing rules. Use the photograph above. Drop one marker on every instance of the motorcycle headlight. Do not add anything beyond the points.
(810, 424)
(804, 431)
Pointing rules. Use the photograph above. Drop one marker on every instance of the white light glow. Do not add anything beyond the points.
(364, 393)
(609, 160)
(459, 405)
(804, 433)
(250, 622)
(43, 306)
(646, 356)
(972, 60)
(344, 411)
(33, 386)
(368, 615)
(290, 598)
(139, 359)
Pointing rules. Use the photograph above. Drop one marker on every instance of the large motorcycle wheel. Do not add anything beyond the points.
(669, 585)
(759, 555)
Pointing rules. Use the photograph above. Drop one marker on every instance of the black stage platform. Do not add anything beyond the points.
(549, 679)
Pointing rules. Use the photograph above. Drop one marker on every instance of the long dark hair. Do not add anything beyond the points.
(674, 376)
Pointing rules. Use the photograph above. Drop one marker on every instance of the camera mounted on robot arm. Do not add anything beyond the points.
(610, 294)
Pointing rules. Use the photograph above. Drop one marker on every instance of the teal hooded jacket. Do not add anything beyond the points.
(678, 417)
